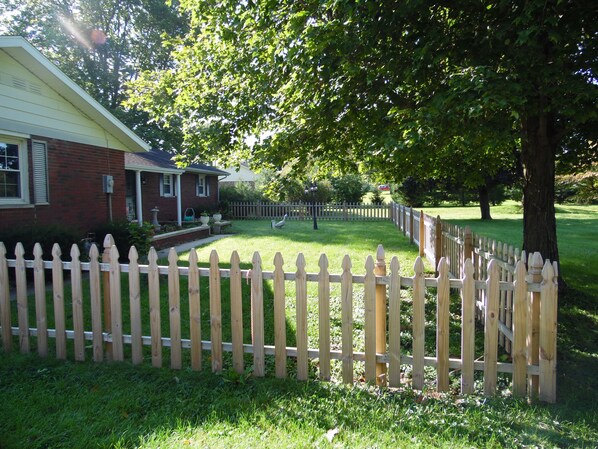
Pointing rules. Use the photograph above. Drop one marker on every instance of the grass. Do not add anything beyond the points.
(49, 403)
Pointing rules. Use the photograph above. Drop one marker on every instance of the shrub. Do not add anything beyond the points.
(349, 188)
(377, 197)
(45, 235)
(125, 235)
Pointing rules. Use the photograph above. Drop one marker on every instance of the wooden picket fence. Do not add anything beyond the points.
(533, 365)
(244, 210)
(438, 239)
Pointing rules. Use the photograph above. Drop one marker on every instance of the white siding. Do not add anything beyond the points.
(28, 105)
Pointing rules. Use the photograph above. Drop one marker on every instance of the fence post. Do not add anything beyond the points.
(533, 336)
(422, 233)
(404, 228)
(345, 211)
(108, 243)
(411, 225)
(380, 270)
(438, 242)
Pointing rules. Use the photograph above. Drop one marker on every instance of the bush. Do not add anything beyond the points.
(377, 197)
(45, 235)
(125, 235)
(348, 188)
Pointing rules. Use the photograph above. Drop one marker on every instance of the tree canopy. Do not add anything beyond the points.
(459, 90)
(101, 45)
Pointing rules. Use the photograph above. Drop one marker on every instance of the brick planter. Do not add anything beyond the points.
(175, 238)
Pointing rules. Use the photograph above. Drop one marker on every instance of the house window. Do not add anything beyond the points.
(167, 185)
(13, 171)
(202, 187)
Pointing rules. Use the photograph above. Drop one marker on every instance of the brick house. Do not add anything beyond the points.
(154, 180)
(62, 155)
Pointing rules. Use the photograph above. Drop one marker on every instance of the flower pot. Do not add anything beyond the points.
(217, 217)
(204, 219)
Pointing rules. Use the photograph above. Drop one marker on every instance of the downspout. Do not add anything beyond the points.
(138, 197)
(179, 214)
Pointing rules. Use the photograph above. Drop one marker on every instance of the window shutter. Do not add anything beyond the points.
(206, 182)
(161, 185)
(39, 156)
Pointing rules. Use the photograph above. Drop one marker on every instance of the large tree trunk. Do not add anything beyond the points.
(538, 145)
(484, 198)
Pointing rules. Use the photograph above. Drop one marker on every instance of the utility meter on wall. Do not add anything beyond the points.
(108, 183)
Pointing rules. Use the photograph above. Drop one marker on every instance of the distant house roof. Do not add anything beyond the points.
(30, 58)
(161, 161)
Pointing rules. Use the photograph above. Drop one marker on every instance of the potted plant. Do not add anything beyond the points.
(204, 218)
(217, 216)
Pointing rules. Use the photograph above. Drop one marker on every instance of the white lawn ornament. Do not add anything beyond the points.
(280, 224)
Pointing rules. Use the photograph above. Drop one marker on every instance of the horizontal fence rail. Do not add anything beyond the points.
(305, 211)
(379, 309)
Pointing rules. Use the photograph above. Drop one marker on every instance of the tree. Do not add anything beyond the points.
(399, 86)
(101, 45)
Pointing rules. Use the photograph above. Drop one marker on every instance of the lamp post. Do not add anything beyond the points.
(311, 190)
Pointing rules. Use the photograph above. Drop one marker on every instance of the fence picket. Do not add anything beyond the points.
(257, 316)
(135, 307)
(394, 324)
(301, 309)
(324, 317)
(442, 327)
(116, 306)
(347, 320)
(215, 313)
(491, 329)
(108, 244)
(548, 329)
(22, 305)
(280, 332)
(5, 318)
(534, 273)
(174, 303)
(519, 331)
(58, 290)
(153, 278)
(381, 312)
(369, 286)
(467, 328)
(77, 297)
(193, 291)
(419, 323)
(95, 297)
(236, 312)
(41, 314)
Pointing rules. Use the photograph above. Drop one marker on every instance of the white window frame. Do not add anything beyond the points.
(23, 199)
(202, 186)
(171, 191)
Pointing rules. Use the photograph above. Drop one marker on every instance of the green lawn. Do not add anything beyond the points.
(49, 403)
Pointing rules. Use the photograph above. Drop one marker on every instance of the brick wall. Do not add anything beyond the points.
(168, 205)
(75, 186)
